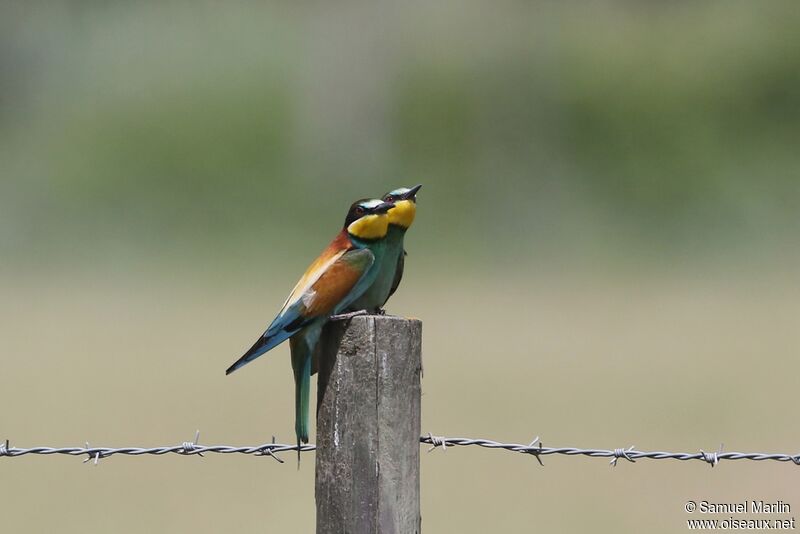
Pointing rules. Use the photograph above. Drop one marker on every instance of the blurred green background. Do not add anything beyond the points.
(605, 252)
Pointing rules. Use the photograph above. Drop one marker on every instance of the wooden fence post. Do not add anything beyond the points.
(368, 426)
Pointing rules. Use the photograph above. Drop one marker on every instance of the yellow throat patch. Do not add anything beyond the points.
(403, 212)
(369, 227)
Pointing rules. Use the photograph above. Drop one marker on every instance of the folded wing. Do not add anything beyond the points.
(325, 289)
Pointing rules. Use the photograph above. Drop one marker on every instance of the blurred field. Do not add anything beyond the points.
(661, 363)
(605, 255)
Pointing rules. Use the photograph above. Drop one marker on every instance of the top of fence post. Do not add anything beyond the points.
(368, 426)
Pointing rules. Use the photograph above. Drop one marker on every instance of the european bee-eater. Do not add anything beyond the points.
(338, 276)
(401, 216)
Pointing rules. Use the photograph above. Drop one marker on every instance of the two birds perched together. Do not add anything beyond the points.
(359, 270)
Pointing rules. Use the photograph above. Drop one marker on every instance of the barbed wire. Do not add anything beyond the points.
(630, 454)
(534, 448)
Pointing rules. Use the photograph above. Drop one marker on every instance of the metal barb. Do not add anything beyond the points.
(712, 457)
(436, 441)
(795, 458)
(96, 457)
(5, 449)
(622, 453)
(536, 453)
(268, 452)
(189, 447)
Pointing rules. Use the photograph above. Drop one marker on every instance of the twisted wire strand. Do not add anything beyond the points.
(535, 448)
(628, 454)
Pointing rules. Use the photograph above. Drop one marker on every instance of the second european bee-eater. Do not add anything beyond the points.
(344, 270)
(401, 216)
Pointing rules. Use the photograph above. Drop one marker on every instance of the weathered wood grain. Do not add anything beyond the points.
(368, 426)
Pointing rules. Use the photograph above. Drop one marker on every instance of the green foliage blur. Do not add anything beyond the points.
(579, 129)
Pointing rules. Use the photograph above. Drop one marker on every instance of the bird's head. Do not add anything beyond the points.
(405, 205)
(367, 219)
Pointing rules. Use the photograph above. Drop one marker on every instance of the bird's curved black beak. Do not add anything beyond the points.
(412, 193)
(383, 207)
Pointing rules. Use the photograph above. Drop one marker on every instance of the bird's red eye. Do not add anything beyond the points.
(389, 198)
(359, 210)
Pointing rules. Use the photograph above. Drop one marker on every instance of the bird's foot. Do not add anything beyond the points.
(345, 316)
(380, 311)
